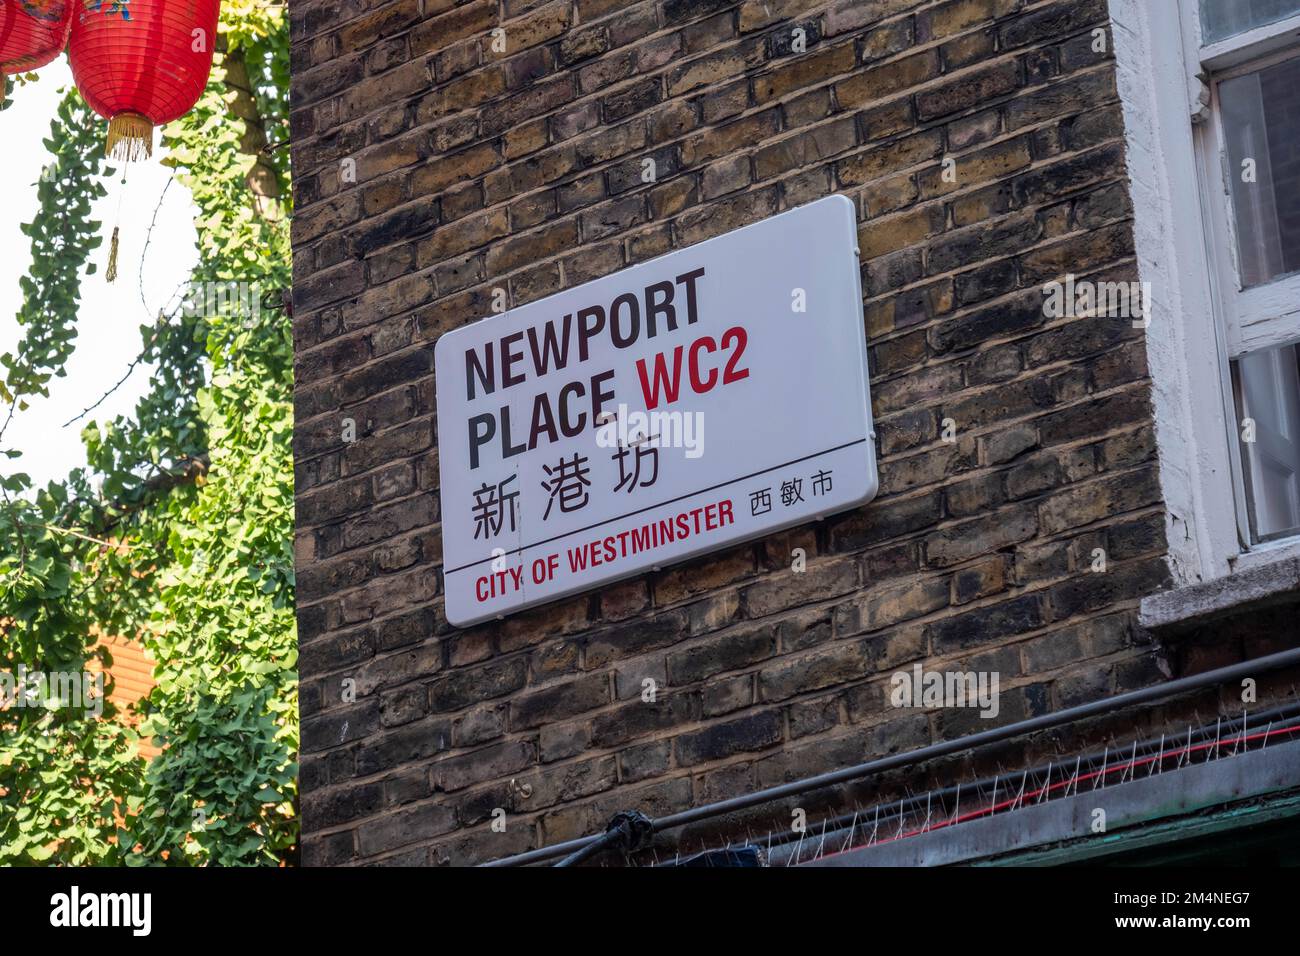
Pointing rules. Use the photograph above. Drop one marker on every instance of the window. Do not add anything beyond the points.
(1261, 129)
(1266, 391)
(1221, 19)
(1248, 54)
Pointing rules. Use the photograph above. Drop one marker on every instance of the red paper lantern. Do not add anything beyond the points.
(33, 32)
(142, 63)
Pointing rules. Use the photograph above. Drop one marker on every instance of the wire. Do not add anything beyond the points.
(1074, 781)
(1282, 715)
(1107, 705)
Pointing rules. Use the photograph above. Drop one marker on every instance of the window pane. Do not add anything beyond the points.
(1267, 387)
(1261, 123)
(1225, 18)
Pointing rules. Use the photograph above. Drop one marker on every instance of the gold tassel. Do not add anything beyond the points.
(111, 274)
(130, 137)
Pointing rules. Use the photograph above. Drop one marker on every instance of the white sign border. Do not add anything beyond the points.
(868, 442)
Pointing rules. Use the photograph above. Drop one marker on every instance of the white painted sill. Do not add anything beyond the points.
(1264, 584)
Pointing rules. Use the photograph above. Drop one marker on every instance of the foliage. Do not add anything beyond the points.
(62, 239)
(179, 529)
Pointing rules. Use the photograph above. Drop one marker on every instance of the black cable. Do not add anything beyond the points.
(630, 831)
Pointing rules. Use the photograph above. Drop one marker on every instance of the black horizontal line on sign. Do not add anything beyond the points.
(662, 504)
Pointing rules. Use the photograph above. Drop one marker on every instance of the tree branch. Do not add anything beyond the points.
(263, 181)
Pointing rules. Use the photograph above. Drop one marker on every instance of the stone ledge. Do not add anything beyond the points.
(1196, 604)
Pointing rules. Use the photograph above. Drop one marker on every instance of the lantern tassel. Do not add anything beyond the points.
(130, 137)
(110, 274)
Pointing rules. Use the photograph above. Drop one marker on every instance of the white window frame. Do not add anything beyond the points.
(1186, 248)
(1266, 315)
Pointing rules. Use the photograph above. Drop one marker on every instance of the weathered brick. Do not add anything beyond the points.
(978, 536)
(869, 86)
(893, 604)
(804, 70)
(731, 651)
(961, 94)
(821, 580)
(403, 745)
(724, 140)
(985, 624)
(562, 700)
(404, 828)
(498, 760)
(744, 735)
(459, 689)
(726, 696)
(641, 718)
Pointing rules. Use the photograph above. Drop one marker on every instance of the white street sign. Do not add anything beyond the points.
(716, 394)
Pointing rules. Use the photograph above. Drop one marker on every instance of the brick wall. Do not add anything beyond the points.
(131, 677)
(476, 170)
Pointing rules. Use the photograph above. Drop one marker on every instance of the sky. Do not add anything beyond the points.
(110, 315)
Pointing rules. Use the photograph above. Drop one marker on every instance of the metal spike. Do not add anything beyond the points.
(852, 830)
(821, 847)
(1160, 762)
(1132, 763)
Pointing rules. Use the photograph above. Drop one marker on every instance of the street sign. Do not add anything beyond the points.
(713, 395)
